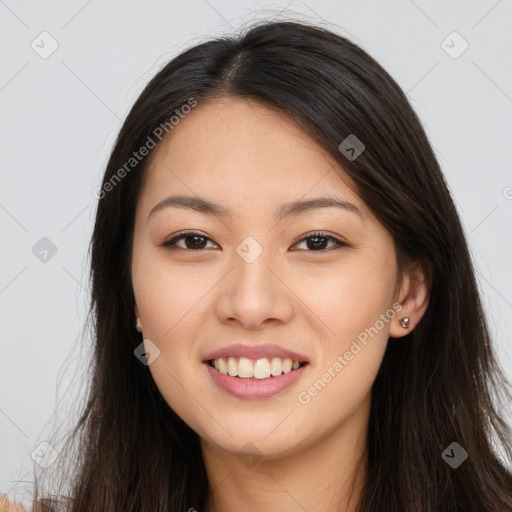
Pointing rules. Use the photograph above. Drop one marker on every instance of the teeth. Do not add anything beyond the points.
(232, 367)
(223, 367)
(245, 368)
(276, 367)
(259, 369)
(287, 365)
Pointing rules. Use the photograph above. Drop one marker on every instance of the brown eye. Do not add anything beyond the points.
(191, 241)
(194, 241)
(317, 242)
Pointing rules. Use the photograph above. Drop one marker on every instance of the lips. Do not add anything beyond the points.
(254, 388)
(230, 368)
(255, 352)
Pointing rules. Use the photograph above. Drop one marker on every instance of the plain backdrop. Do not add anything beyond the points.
(69, 73)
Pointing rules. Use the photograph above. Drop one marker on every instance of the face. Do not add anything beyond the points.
(265, 276)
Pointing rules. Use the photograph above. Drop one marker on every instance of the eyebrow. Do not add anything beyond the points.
(202, 205)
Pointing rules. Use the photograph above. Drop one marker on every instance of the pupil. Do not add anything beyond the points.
(316, 242)
(195, 244)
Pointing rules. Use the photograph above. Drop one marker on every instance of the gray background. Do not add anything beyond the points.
(60, 116)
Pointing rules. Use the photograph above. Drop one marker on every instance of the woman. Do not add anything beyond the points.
(286, 312)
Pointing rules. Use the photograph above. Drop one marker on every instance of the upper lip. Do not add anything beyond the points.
(255, 352)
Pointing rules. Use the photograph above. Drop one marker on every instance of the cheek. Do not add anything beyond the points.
(355, 303)
(356, 308)
(170, 306)
(166, 297)
(351, 297)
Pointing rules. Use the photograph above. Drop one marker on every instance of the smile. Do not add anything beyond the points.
(262, 368)
(254, 379)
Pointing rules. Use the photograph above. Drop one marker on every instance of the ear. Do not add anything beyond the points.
(138, 324)
(413, 296)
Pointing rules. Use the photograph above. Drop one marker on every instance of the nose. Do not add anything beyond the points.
(255, 295)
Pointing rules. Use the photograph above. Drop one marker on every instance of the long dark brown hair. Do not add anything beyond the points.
(438, 385)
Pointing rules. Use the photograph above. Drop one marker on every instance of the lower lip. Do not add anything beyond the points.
(255, 388)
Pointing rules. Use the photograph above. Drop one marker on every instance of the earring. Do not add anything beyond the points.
(138, 325)
(405, 322)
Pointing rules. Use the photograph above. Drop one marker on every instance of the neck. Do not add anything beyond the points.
(328, 476)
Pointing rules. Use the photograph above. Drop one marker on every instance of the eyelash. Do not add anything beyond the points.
(171, 244)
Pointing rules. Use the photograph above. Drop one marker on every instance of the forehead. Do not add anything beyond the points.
(243, 153)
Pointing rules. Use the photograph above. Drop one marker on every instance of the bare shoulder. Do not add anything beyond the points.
(10, 506)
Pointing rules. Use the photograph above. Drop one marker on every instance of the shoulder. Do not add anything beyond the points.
(10, 506)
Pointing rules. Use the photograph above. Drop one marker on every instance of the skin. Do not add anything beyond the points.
(190, 302)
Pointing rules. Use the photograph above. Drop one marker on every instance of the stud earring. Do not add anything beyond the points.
(405, 322)
(138, 325)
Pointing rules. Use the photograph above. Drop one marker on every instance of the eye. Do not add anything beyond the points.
(196, 241)
(318, 240)
(193, 240)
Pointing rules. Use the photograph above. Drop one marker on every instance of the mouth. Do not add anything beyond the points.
(255, 369)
